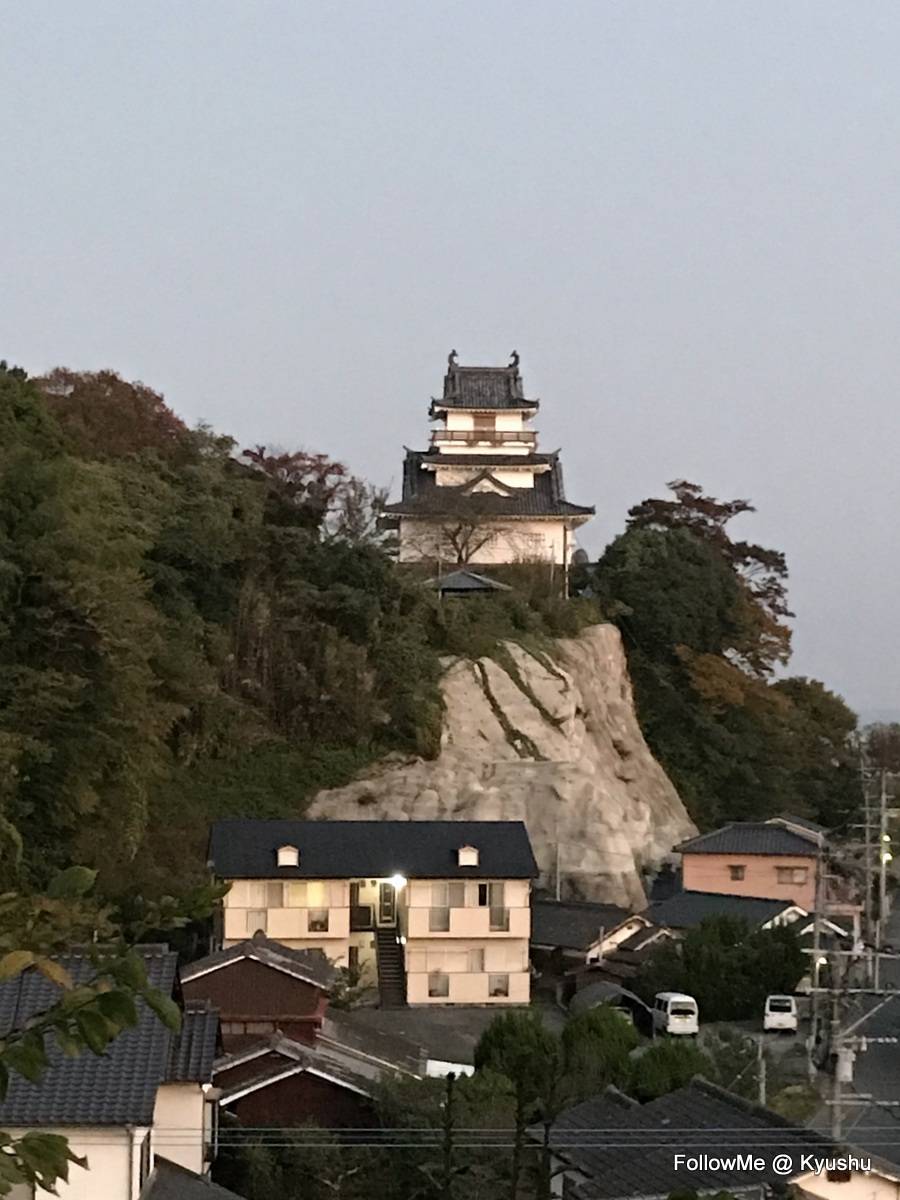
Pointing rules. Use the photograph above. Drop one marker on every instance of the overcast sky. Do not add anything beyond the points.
(685, 215)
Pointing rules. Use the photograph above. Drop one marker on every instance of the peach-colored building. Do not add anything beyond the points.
(481, 492)
(761, 859)
(433, 912)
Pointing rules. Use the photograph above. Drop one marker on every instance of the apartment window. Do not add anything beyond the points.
(439, 985)
(296, 895)
(498, 985)
(457, 895)
(274, 895)
(491, 895)
(256, 920)
(791, 874)
(439, 920)
(476, 962)
(737, 871)
(317, 895)
(499, 920)
(317, 921)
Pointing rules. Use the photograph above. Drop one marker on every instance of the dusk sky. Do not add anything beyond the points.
(685, 216)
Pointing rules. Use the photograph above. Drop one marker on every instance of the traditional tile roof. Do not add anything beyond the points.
(246, 849)
(483, 388)
(627, 1150)
(467, 581)
(423, 497)
(686, 909)
(312, 966)
(279, 1056)
(573, 925)
(169, 1181)
(193, 1051)
(750, 837)
(373, 1050)
(436, 458)
(115, 1088)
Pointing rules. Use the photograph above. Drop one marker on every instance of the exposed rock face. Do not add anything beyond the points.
(553, 742)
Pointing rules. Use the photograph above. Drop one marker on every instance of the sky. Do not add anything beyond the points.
(684, 215)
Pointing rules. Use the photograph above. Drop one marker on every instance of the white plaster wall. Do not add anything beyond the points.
(179, 1131)
(109, 1154)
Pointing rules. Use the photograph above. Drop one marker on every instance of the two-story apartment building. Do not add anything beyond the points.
(435, 912)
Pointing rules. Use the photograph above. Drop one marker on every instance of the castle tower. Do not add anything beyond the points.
(481, 493)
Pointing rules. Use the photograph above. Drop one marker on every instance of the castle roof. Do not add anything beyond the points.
(422, 497)
(483, 387)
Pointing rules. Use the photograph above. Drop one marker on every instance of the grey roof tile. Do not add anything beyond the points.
(169, 1181)
(629, 1151)
(686, 909)
(483, 387)
(246, 849)
(115, 1088)
(312, 966)
(193, 1051)
(423, 497)
(750, 837)
(573, 926)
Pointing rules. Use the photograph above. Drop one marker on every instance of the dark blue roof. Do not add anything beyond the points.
(115, 1088)
(686, 909)
(751, 837)
(247, 849)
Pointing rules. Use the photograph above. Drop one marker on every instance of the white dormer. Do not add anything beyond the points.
(288, 856)
(467, 856)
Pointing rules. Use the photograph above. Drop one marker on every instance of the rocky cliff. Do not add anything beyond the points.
(549, 739)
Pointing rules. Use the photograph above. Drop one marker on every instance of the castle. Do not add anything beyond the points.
(482, 493)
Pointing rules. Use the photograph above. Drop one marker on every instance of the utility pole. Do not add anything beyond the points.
(869, 856)
(816, 955)
(884, 858)
(761, 1072)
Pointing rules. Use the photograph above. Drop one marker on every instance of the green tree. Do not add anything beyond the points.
(519, 1047)
(665, 1066)
(727, 966)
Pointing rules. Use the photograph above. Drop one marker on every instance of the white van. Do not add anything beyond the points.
(673, 1012)
(780, 1013)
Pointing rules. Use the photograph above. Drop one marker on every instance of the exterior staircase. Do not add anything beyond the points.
(391, 969)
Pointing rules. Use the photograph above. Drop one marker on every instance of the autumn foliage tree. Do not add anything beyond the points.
(704, 621)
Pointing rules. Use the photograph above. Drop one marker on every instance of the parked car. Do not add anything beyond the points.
(675, 1013)
(780, 1014)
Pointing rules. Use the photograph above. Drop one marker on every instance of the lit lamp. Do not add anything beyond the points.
(398, 882)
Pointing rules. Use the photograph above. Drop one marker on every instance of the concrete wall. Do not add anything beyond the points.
(180, 1127)
(859, 1187)
(711, 873)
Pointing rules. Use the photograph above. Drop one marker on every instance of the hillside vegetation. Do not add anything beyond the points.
(191, 629)
(188, 631)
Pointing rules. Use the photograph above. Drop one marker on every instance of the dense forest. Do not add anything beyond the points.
(190, 628)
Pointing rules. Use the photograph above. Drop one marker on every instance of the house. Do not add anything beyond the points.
(280, 1082)
(260, 987)
(684, 910)
(149, 1093)
(481, 492)
(467, 583)
(703, 1139)
(169, 1181)
(747, 858)
(438, 912)
(572, 933)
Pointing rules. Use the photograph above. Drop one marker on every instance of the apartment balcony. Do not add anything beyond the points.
(484, 437)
